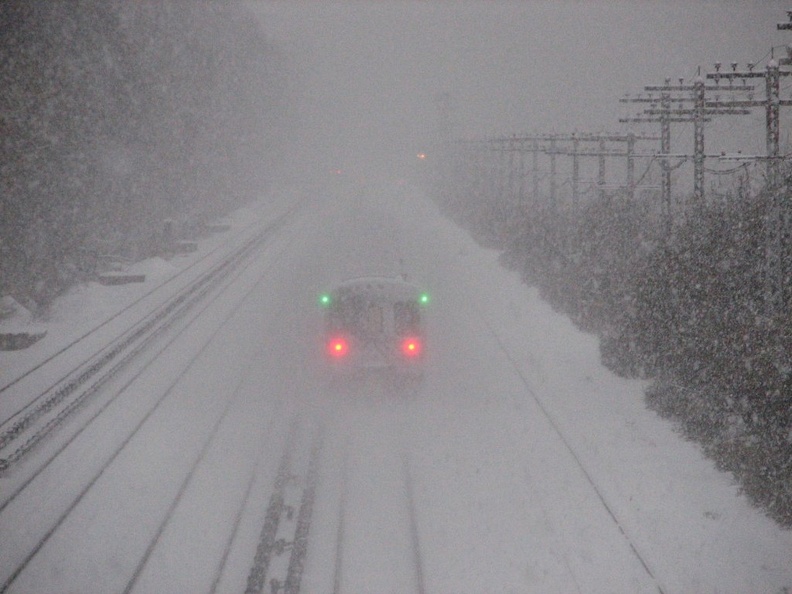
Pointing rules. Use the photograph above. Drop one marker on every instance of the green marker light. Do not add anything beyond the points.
(324, 299)
(424, 298)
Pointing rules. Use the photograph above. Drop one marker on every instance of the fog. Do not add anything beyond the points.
(380, 80)
(601, 395)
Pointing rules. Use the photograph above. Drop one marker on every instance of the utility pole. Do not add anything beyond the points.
(777, 226)
(575, 167)
(701, 113)
(521, 177)
(535, 166)
(553, 187)
(518, 144)
(549, 144)
(772, 102)
(664, 120)
(603, 152)
(630, 166)
(530, 144)
(601, 170)
(511, 172)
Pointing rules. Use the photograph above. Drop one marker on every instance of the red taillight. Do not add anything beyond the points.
(411, 347)
(337, 347)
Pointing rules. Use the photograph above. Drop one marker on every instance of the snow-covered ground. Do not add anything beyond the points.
(534, 469)
(87, 306)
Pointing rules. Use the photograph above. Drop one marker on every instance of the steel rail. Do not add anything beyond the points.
(109, 361)
(106, 404)
(415, 543)
(341, 529)
(119, 313)
(187, 480)
(299, 547)
(238, 518)
(280, 515)
(578, 461)
(86, 488)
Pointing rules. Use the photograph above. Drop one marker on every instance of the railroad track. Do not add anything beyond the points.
(280, 559)
(415, 545)
(638, 555)
(46, 412)
(58, 403)
(280, 556)
(281, 552)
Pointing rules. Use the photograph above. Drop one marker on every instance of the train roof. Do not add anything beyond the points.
(381, 287)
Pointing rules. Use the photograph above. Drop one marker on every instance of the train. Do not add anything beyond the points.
(375, 324)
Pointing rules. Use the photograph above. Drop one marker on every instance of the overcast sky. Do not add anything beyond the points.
(371, 73)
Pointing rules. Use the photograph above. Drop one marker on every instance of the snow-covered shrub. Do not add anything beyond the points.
(687, 309)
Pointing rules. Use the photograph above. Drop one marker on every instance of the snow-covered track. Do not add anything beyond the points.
(415, 560)
(42, 415)
(186, 272)
(415, 543)
(21, 484)
(338, 570)
(182, 489)
(285, 532)
(589, 477)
